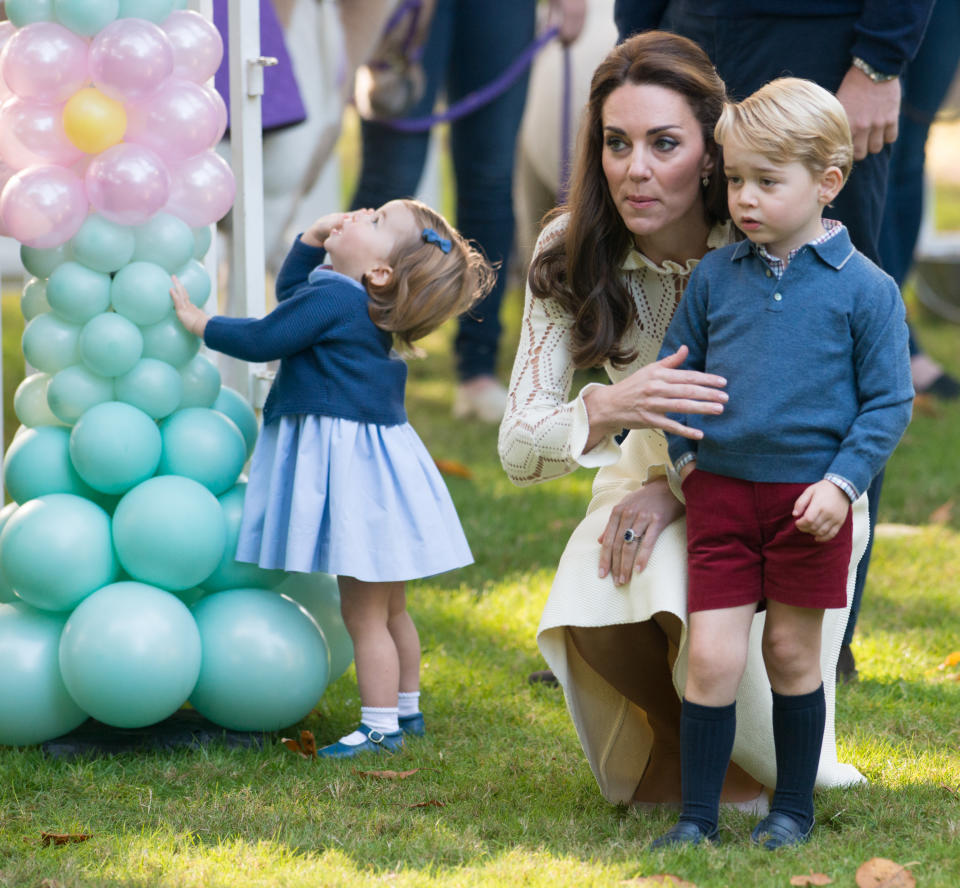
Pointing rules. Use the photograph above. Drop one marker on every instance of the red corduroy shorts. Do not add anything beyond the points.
(743, 546)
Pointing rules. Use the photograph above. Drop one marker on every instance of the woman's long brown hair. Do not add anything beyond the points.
(582, 272)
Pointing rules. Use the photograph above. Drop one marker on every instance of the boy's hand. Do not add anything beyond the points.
(193, 318)
(317, 233)
(821, 510)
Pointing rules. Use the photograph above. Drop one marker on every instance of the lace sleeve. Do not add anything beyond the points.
(542, 433)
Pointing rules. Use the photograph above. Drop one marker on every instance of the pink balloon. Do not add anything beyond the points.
(7, 30)
(127, 183)
(130, 58)
(197, 45)
(45, 61)
(178, 121)
(43, 206)
(203, 189)
(31, 134)
(217, 99)
(6, 174)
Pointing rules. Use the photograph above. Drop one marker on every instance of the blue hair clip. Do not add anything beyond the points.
(431, 237)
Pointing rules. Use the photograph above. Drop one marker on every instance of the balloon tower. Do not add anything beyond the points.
(119, 595)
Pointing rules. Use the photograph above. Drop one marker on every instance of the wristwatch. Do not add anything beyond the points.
(871, 72)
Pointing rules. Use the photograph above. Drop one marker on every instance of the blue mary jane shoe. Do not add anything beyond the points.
(778, 830)
(684, 832)
(412, 724)
(376, 741)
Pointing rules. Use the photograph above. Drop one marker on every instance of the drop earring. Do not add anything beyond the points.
(705, 181)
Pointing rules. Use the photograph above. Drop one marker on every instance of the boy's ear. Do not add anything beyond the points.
(379, 275)
(831, 181)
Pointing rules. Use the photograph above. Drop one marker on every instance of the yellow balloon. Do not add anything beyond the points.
(93, 121)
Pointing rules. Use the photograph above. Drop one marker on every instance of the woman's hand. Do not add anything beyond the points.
(645, 512)
(645, 397)
(568, 16)
(193, 318)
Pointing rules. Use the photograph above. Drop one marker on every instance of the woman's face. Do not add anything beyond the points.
(653, 159)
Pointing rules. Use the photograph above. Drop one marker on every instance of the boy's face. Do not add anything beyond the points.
(365, 240)
(773, 203)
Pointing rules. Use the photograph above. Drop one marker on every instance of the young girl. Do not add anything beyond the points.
(339, 481)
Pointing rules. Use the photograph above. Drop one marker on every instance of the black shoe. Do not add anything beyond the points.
(778, 830)
(544, 677)
(944, 387)
(684, 832)
(846, 667)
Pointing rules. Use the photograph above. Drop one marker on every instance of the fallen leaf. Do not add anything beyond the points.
(925, 404)
(305, 746)
(664, 880)
(811, 879)
(951, 790)
(942, 514)
(433, 802)
(49, 838)
(878, 872)
(387, 775)
(454, 468)
(952, 659)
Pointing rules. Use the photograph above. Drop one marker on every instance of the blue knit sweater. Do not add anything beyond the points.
(334, 361)
(816, 363)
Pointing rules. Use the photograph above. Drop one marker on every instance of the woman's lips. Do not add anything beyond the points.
(641, 201)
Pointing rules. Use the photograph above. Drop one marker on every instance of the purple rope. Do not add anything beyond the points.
(564, 177)
(478, 98)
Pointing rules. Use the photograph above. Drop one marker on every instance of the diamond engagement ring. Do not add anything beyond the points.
(631, 536)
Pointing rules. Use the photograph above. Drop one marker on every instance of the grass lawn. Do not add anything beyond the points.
(504, 796)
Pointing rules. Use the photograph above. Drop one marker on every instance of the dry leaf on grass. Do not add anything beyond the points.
(942, 514)
(432, 802)
(387, 775)
(925, 404)
(305, 746)
(951, 790)
(811, 879)
(878, 872)
(660, 880)
(454, 468)
(50, 883)
(49, 838)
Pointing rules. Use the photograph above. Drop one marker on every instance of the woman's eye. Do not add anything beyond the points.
(665, 144)
(615, 143)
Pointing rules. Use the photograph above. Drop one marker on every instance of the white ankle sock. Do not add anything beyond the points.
(383, 719)
(408, 703)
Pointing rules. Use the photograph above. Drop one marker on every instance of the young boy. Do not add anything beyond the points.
(812, 340)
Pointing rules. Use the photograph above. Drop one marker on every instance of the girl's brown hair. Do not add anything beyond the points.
(428, 286)
(582, 271)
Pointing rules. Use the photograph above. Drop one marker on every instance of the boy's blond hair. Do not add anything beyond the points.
(427, 285)
(790, 119)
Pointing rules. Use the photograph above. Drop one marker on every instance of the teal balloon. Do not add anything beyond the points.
(7, 595)
(155, 11)
(30, 401)
(169, 531)
(164, 240)
(201, 382)
(114, 446)
(34, 703)
(189, 596)
(196, 281)
(41, 261)
(141, 293)
(230, 573)
(204, 445)
(233, 404)
(34, 299)
(202, 238)
(180, 4)
(56, 550)
(74, 390)
(26, 12)
(320, 595)
(38, 462)
(103, 245)
(51, 343)
(110, 344)
(86, 17)
(264, 663)
(169, 341)
(152, 386)
(130, 654)
(77, 293)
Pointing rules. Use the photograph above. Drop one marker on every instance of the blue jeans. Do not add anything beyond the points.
(471, 42)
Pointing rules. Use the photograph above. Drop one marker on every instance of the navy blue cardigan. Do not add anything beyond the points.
(334, 361)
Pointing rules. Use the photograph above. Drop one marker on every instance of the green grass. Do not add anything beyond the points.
(518, 805)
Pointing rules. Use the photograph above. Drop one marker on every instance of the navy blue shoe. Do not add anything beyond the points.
(684, 832)
(779, 830)
(413, 724)
(376, 741)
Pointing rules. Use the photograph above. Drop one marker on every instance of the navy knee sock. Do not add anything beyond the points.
(798, 722)
(706, 741)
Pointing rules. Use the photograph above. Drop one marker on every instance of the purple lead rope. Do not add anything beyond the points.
(564, 173)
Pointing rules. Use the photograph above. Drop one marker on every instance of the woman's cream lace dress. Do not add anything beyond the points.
(542, 436)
